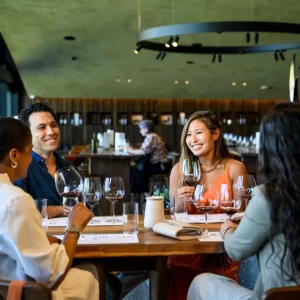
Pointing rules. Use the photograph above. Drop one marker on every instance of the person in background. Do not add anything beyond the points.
(270, 227)
(203, 147)
(154, 160)
(39, 183)
(26, 253)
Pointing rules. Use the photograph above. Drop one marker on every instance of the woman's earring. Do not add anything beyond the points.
(14, 165)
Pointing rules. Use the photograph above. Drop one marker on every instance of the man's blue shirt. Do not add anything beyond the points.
(39, 183)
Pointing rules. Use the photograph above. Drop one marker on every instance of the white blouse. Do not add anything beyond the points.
(25, 252)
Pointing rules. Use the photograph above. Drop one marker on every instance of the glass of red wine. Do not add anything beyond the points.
(205, 203)
(69, 184)
(229, 206)
(191, 175)
(113, 191)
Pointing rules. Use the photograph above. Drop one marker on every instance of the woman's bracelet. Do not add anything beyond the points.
(225, 231)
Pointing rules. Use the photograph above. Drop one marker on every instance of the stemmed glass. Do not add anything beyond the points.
(113, 191)
(244, 187)
(92, 192)
(229, 206)
(69, 184)
(191, 175)
(206, 202)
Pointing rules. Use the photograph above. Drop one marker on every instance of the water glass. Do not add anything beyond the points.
(41, 205)
(179, 209)
(130, 217)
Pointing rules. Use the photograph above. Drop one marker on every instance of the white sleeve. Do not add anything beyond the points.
(26, 242)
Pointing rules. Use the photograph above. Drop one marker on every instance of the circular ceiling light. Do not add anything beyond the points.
(70, 38)
(233, 83)
(145, 37)
(244, 83)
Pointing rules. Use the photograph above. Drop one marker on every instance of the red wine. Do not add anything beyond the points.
(230, 211)
(206, 209)
(70, 194)
(191, 182)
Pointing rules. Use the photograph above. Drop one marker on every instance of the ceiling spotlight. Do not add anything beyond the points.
(138, 48)
(118, 80)
(220, 57)
(281, 55)
(244, 83)
(233, 83)
(176, 81)
(163, 55)
(187, 82)
(248, 37)
(128, 80)
(256, 37)
(275, 55)
(168, 44)
(32, 96)
(213, 58)
(175, 42)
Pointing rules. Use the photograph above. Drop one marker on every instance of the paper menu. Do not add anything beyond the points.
(111, 238)
(96, 221)
(213, 218)
(212, 237)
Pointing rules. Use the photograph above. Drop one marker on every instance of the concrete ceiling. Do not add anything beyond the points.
(105, 32)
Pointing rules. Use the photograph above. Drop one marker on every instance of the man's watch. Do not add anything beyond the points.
(72, 229)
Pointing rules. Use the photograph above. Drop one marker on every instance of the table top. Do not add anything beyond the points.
(150, 244)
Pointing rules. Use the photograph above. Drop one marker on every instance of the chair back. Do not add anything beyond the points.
(289, 293)
(31, 290)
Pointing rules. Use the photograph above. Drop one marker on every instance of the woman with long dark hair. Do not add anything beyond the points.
(271, 226)
(204, 152)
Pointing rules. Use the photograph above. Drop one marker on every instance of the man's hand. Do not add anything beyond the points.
(80, 216)
(56, 210)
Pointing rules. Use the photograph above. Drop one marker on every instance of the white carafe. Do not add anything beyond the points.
(154, 211)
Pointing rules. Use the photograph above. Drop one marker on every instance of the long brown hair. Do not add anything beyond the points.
(211, 122)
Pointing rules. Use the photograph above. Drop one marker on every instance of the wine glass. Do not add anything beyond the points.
(207, 202)
(251, 185)
(191, 175)
(229, 206)
(113, 191)
(92, 192)
(69, 184)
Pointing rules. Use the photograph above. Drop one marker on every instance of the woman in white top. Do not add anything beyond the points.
(26, 253)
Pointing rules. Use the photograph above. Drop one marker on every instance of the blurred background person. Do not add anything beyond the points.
(270, 227)
(204, 151)
(153, 161)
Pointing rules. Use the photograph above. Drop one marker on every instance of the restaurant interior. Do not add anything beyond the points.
(85, 59)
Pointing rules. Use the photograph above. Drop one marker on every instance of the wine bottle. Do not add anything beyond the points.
(94, 143)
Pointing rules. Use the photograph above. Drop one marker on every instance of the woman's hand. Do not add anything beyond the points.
(227, 224)
(80, 216)
(185, 191)
(52, 239)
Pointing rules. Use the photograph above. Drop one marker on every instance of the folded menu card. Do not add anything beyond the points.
(177, 230)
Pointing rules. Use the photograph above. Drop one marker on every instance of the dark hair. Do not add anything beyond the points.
(13, 134)
(147, 124)
(279, 170)
(33, 108)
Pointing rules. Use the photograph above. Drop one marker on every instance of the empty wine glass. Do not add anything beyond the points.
(207, 202)
(92, 192)
(113, 191)
(251, 185)
(190, 172)
(69, 185)
(228, 205)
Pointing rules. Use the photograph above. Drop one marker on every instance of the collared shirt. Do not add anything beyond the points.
(39, 183)
(25, 252)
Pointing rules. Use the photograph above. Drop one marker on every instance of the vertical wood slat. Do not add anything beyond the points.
(170, 133)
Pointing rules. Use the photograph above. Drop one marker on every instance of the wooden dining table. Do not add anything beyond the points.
(150, 253)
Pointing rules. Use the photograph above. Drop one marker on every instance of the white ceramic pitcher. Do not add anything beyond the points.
(154, 211)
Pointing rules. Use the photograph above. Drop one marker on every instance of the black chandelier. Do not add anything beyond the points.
(252, 29)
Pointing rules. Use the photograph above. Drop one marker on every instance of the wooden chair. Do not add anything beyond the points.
(289, 293)
(31, 290)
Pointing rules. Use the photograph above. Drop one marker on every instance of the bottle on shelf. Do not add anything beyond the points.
(94, 143)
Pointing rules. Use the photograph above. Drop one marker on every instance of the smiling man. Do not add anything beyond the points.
(42, 121)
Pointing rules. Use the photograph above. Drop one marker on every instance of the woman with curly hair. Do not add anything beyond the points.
(270, 227)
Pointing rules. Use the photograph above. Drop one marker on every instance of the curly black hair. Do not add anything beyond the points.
(33, 108)
(13, 134)
(279, 170)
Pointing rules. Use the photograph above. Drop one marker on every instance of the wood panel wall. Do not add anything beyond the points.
(171, 133)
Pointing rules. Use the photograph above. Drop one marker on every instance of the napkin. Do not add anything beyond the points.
(177, 230)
